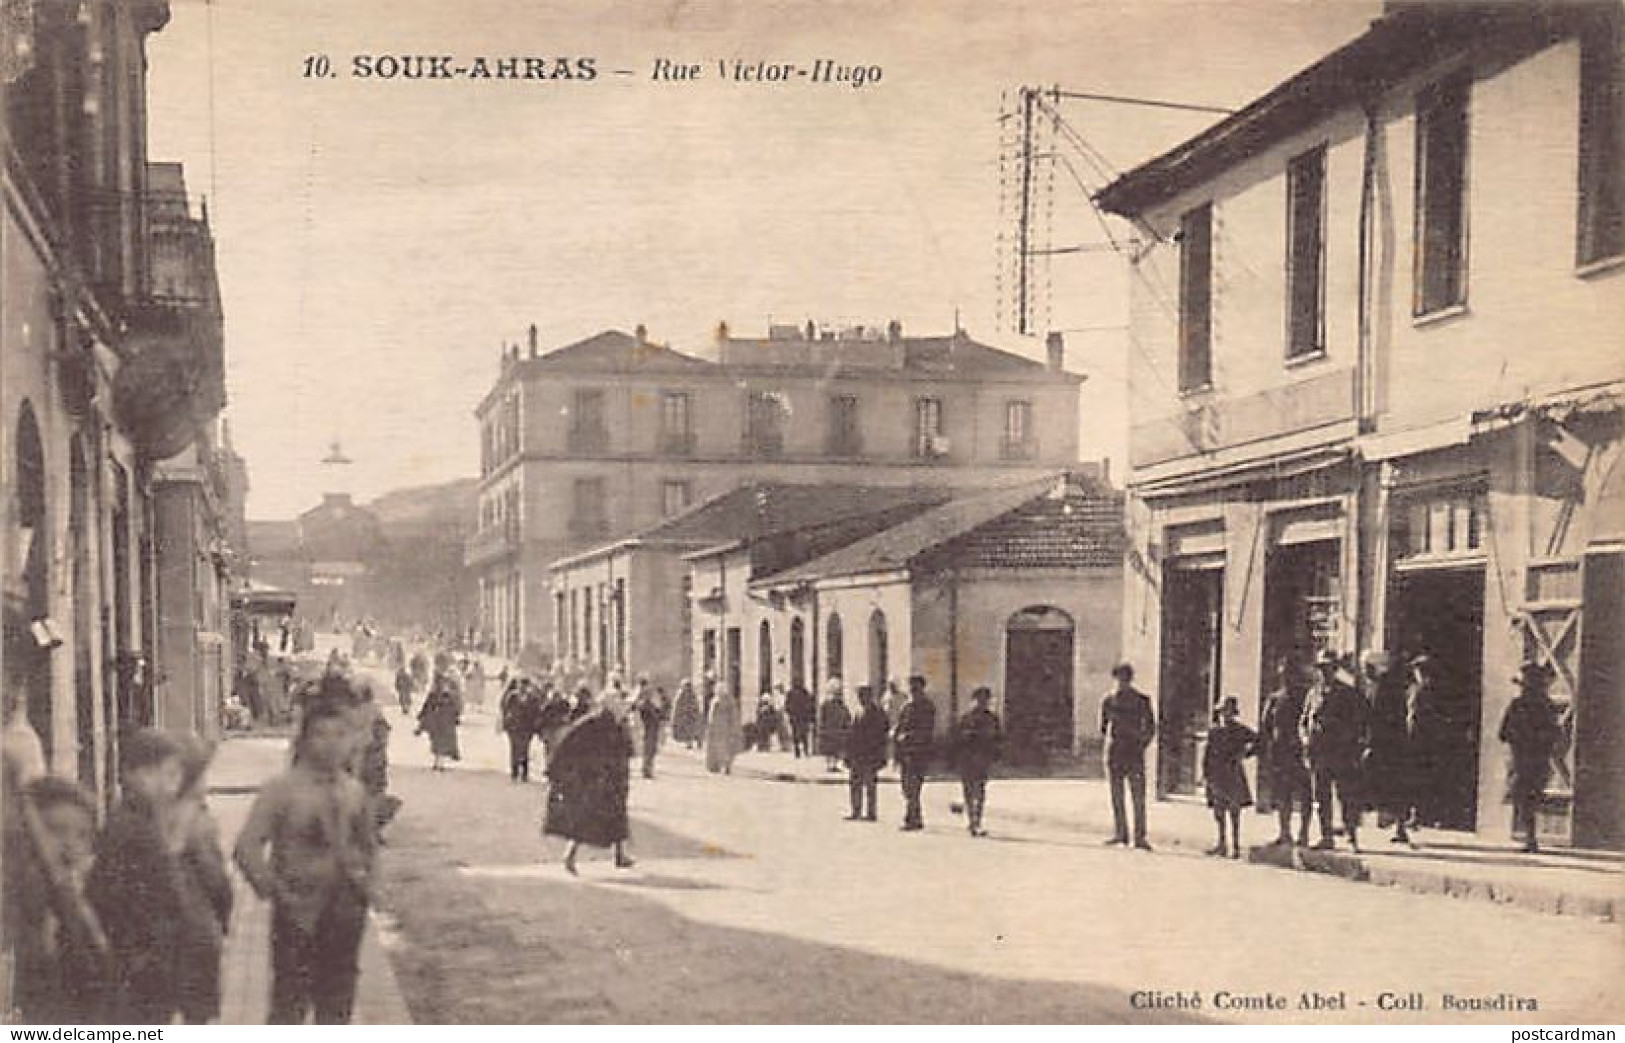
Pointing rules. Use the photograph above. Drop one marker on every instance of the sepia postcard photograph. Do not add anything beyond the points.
(779, 512)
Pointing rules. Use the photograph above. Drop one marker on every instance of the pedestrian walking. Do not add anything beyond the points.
(405, 687)
(1531, 730)
(834, 725)
(1430, 740)
(767, 723)
(723, 735)
(520, 713)
(440, 714)
(194, 837)
(800, 709)
(687, 722)
(1283, 772)
(589, 778)
(62, 965)
(552, 718)
(1333, 729)
(1128, 726)
(914, 740)
(134, 885)
(475, 691)
(319, 877)
(369, 761)
(650, 705)
(866, 754)
(977, 743)
(1229, 742)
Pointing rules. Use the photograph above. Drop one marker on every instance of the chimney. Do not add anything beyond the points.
(1055, 346)
(642, 333)
(532, 334)
(894, 331)
(722, 332)
(812, 331)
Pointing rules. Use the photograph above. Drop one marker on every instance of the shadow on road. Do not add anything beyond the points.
(530, 947)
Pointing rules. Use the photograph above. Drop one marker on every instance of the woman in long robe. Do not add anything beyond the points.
(723, 735)
(687, 726)
(589, 777)
(834, 725)
(440, 714)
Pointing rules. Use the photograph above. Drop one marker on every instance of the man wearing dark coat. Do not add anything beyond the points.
(914, 739)
(1531, 731)
(1128, 726)
(1280, 751)
(1333, 729)
(800, 708)
(834, 725)
(520, 711)
(976, 744)
(1390, 762)
(866, 754)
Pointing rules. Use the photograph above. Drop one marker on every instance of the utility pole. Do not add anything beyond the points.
(1024, 218)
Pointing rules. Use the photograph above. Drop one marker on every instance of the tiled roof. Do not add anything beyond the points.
(615, 352)
(763, 509)
(1019, 526)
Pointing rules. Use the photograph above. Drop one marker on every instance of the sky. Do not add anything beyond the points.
(378, 241)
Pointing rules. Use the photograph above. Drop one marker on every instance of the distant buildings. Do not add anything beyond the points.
(111, 377)
(1380, 401)
(608, 435)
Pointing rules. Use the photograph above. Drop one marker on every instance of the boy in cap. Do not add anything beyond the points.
(317, 822)
(135, 886)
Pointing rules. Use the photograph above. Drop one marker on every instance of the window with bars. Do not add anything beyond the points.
(1018, 441)
(1196, 299)
(1441, 197)
(1306, 254)
(845, 436)
(764, 424)
(587, 514)
(929, 439)
(675, 496)
(676, 422)
(588, 430)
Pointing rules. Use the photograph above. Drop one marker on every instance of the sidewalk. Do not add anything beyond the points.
(1460, 865)
(245, 972)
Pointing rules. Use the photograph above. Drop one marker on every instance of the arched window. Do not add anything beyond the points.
(832, 646)
(879, 667)
(798, 652)
(764, 658)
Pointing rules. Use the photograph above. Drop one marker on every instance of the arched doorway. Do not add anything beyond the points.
(764, 658)
(833, 652)
(879, 659)
(1038, 684)
(84, 688)
(27, 662)
(798, 652)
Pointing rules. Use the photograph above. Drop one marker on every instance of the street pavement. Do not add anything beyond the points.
(754, 901)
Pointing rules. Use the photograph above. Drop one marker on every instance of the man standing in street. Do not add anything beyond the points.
(1532, 732)
(913, 740)
(1128, 725)
(800, 709)
(1280, 754)
(1333, 729)
(865, 754)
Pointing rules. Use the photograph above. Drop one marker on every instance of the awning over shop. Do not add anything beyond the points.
(259, 600)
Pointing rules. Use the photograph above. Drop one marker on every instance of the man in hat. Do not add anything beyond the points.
(1333, 729)
(1128, 726)
(1531, 730)
(913, 740)
(1390, 758)
(1280, 752)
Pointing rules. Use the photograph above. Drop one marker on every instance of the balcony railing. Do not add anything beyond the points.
(173, 375)
(763, 443)
(677, 443)
(1018, 449)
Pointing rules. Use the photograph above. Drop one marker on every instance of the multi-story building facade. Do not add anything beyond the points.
(608, 435)
(102, 375)
(1380, 308)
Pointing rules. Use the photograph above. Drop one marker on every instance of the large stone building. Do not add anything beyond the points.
(608, 435)
(107, 368)
(1018, 589)
(1384, 409)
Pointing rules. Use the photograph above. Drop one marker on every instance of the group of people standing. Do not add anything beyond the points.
(1334, 744)
(128, 925)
